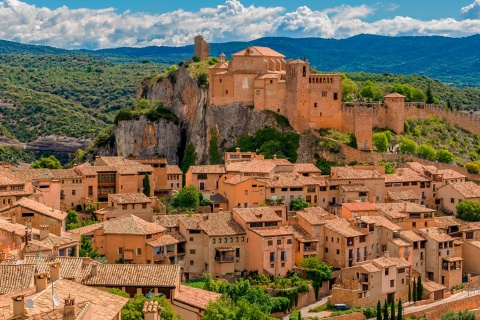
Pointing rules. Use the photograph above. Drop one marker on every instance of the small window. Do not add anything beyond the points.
(387, 270)
(120, 250)
(192, 251)
(271, 81)
(279, 241)
(144, 206)
(270, 243)
(243, 239)
(326, 250)
(139, 251)
(289, 241)
(338, 251)
(213, 240)
(392, 283)
(335, 96)
(124, 207)
(226, 91)
(191, 238)
(315, 105)
(236, 239)
(191, 262)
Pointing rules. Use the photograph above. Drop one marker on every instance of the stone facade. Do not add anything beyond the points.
(201, 48)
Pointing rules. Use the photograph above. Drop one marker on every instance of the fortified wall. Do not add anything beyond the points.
(262, 78)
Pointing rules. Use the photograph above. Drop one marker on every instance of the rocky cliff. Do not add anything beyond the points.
(198, 122)
(50, 143)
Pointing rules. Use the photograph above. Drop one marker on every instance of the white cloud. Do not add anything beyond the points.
(89, 28)
(472, 11)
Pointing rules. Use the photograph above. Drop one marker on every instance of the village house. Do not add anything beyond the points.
(409, 216)
(408, 180)
(204, 178)
(382, 279)
(166, 178)
(402, 196)
(122, 203)
(358, 209)
(452, 194)
(242, 191)
(418, 252)
(44, 243)
(12, 188)
(304, 244)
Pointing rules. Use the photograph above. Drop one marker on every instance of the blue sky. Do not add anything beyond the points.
(105, 24)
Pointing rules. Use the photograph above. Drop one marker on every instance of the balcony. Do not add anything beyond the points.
(224, 259)
(310, 248)
(159, 256)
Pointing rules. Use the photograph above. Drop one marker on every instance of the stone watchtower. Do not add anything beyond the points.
(395, 103)
(201, 49)
(298, 99)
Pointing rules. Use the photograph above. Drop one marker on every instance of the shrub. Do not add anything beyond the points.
(407, 146)
(380, 141)
(426, 152)
(473, 167)
(445, 156)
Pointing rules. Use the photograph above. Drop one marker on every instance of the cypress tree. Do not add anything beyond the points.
(392, 310)
(414, 290)
(379, 310)
(419, 289)
(299, 315)
(409, 292)
(429, 95)
(146, 185)
(400, 311)
(385, 311)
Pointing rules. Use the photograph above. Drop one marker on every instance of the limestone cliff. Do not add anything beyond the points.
(197, 121)
(50, 143)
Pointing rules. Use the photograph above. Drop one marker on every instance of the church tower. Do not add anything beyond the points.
(297, 102)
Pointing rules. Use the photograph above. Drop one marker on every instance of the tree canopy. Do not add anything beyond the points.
(468, 210)
(50, 162)
(380, 141)
(299, 204)
(188, 197)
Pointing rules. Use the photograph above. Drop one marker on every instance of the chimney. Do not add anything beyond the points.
(69, 309)
(386, 254)
(54, 270)
(150, 310)
(274, 156)
(18, 305)
(94, 270)
(85, 262)
(237, 150)
(55, 252)
(41, 281)
(43, 232)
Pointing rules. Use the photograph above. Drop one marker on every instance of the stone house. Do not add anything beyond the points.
(409, 216)
(12, 188)
(242, 191)
(406, 179)
(204, 178)
(358, 209)
(418, 253)
(452, 194)
(122, 203)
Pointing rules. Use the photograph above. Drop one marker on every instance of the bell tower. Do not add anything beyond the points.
(297, 104)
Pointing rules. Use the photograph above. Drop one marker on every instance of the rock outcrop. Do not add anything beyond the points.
(50, 143)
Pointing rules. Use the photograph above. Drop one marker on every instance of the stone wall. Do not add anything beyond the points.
(201, 49)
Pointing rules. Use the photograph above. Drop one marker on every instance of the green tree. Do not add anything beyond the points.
(380, 141)
(215, 157)
(189, 157)
(195, 59)
(392, 310)
(87, 248)
(468, 210)
(462, 315)
(472, 167)
(146, 185)
(389, 168)
(349, 90)
(414, 291)
(371, 91)
(379, 310)
(407, 146)
(299, 315)
(298, 204)
(419, 289)
(400, 310)
(272, 148)
(72, 217)
(188, 197)
(310, 262)
(47, 162)
(430, 98)
(119, 292)
(385, 310)
(426, 151)
(409, 292)
(445, 156)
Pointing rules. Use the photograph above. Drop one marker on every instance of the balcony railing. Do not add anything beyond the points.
(310, 248)
(224, 259)
(158, 256)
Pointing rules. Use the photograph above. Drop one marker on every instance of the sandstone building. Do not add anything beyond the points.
(201, 48)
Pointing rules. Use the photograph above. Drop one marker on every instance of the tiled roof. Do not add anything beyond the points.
(398, 195)
(17, 193)
(16, 277)
(116, 161)
(215, 197)
(70, 267)
(139, 275)
(343, 227)
(380, 221)
(306, 168)
(221, 224)
(411, 236)
(178, 236)
(162, 241)
(398, 209)
(431, 286)
(467, 189)
(102, 305)
(131, 224)
(215, 168)
(190, 221)
(383, 262)
(399, 262)
(39, 208)
(452, 259)
(236, 179)
(273, 231)
(301, 235)
(87, 229)
(399, 242)
(347, 172)
(448, 221)
(9, 227)
(85, 169)
(355, 188)
(64, 173)
(394, 95)
(195, 297)
(8, 178)
(257, 214)
(436, 234)
(122, 198)
(360, 206)
(284, 180)
(260, 51)
(133, 169)
(48, 243)
(405, 175)
(263, 166)
(173, 169)
(33, 174)
(37, 246)
(449, 174)
(314, 215)
(370, 267)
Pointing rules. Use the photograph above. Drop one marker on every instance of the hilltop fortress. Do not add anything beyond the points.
(262, 78)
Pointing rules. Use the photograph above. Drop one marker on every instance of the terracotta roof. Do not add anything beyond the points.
(405, 175)
(352, 173)
(9, 227)
(178, 236)
(190, 221)
(64, 174)
(475, 243)
(256, 166)
(116, 161)
(131, 224)
(383, 262)
(17, 193)
(314, 215)
(195, 297)
(236, 179)
(102, 305)
(343, 227)
(360, 206)
(8, 178)
(301, 234)
(216, 169)
(398, 195)
(448, 221)
(411, 236)
(400, 208)
(306, 168)
(370, 267)
(162, 241)
(221, 224)
(449, 174)
(33, 174)
(39, 208)
(284, 180)
(401, 243)
(70, 267)
(122, 198)
(87, 229)
(273, 231)
(215, 197)
(399, 262)
(138, 275)
(133, 169)
(432, 286)
(355, 188)
(436, 234)
(16, 277)
(394, 95)
(257, 214)
(380, 221)
(452, 259)
(85, 169)
(259, 51)
(466, 189)
(173, 169)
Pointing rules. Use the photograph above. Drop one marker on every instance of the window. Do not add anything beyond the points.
(335, 96)
(246, 192)
(202, 176)
(90, 190)
(289, 241)
(120, 250)
(314, 104)
(243, 239)
(237, 252)
(279, 241)
(236, 239)
(452, 200)
(144, 206)
(192, 251)
(139, 251)
(226, 91)
(213, 240)
(326, 250)
(191, 262)
(338, 251)
(191, 238)
(387, 270)
(26, 214)
(392, 283)
(270, 243)
(124, 207)
(272, 256)
(283, 255)
(324, 93)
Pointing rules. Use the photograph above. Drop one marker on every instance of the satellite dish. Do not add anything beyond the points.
(56, 301)
(29, 303)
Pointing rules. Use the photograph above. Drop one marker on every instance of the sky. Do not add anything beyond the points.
(74, 24)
